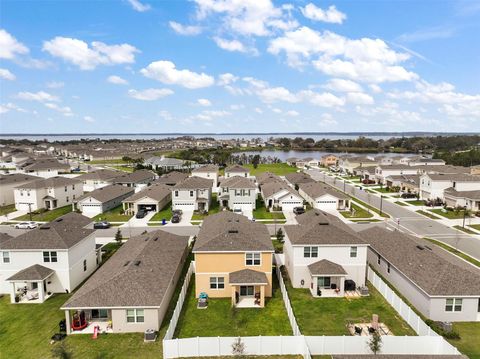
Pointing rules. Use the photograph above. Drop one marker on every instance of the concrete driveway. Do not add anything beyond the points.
(139, 222)
(184, 220)
(289, 216)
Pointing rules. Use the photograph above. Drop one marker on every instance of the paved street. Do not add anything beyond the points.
(409, 221)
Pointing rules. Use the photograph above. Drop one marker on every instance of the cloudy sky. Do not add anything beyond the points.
(239, 66)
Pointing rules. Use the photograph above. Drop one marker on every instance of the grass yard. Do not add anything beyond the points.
(7, 209)
(113, 215)
(384, 190)
(124, 168)
(469, 343)
(454, 251)
(466, 230)
(403, 204)
(106, 162)
(330, 316)
(475, 226)
(359, 212)
(369, 207)
(261, 212)
(427, 214)
(214, 208)
(46, 216)
(165, 213)
(280, 169)
(416, 202)
(448, 214)
(219, 319)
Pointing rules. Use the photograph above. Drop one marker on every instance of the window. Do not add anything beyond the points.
(310, 252)
(176, 193)
(6, 257)
(67, 199)
(217, 283)
(65, 188)
(50, 257)
(453, 305)
(191, 193)
(378, 259)
(135, 316)
(84, 265)
(99, 313)
(353, 252)
(252, 259)
(73, 186)
(388, 267)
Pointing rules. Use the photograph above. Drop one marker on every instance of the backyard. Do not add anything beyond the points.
(114, 215)
(358, 212)
(261, 212)
(280, 169)
(219, 319)
(46, 216)
(468, 343)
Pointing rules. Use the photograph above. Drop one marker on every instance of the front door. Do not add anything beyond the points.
(246, 290)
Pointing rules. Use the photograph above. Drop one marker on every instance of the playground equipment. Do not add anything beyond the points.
(79, 321)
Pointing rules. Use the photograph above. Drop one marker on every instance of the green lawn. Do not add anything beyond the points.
(113, 215)
(384, 190)
(401, 203)
(427, 214)
(124, 168)
(469, 343)
(106, 162)
(466, 230)
(280, 169)
(449, 213)
(365, 220)
(359, 212)
(454, 251)
(475, 226)
(261, 212)
(46, 216)
(214, 208)
(7, 209)
(219, 319)
(330, 316)
(165, 213)
(416, 203)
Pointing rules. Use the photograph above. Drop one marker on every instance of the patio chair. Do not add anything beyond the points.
(358, 330)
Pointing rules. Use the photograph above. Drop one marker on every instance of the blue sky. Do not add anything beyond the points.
(239, 66)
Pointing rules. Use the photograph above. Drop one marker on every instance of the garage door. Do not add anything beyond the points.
(23, 207)
(326, 205)
(147, 207)
(91, 210)
(290, 205)
(248, 206)
(184, 206)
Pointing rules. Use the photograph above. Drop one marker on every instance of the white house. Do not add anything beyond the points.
(442, 286)
(98, 179)
(432, 186)
(353, 164)
(192, 194)
(469, 199)
(53, 258)
(279, 195)
(238, 194)
(103, 199)
(384, 171)
(47, 193)
(46, 168)
(137, 179)
(8, 184)
(324, 197)
(325, 255)
(152, 198)
(236, 170)
(426, 162)
(208, 172)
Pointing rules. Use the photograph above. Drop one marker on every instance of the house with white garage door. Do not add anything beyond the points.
(192, 194)
(138, 179)
(8, 184)
(103, 199)
(209, 171)
(98, 179)
(236, 170)
(238, 193)
(152, 198)
(279, 195)
(324, 197)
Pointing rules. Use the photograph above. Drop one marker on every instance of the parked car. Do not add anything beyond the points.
(141, 213)
(26, 225)
(368, 181)
(176, 218)
(409, 195)
(177, 211)
(101, 225)
(299, 210)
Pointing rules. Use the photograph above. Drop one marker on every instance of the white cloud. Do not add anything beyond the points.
(324, 99)
(87, 57)
(204, 102)
(65, 110)
(277, 110)
(40, 96)
(11, 106)
(375, 88)
(7, 75)
(186, 30)
(331, 15)
(88, 119)
(327, 119)
(359, 98)
(138, 6)
(292, 113)
(117, 80)
(226, 79)
(10, 47)
(230, 45)
(276, 94)
(150, 94)
(236, 107)
(165, 72)
(210, 115)
(258, 110)
(55, 84)
(167, 116)
(342, 85)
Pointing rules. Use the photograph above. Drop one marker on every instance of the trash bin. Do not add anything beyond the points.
(164, 221)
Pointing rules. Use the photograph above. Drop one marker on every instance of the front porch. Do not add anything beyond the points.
(50, 202)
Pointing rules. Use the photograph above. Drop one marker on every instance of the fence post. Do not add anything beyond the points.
(198, 346)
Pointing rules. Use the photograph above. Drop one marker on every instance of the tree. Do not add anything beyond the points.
(255, 161)
(118, 236)
(280, 235)
(61, 351)
(375, 342)
(238, 348)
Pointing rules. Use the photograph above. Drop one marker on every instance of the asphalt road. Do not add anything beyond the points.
(406, 220)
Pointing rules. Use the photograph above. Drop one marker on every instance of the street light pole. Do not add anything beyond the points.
(464, 215)
(344, 183)
(30, 211)
(381, 204)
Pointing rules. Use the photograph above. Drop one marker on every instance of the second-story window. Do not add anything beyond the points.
(191, 193)
(252, 259)
(6, 257)
(310, 252)
(50, 257)
(353, 252)
(84, 265)
(176, 193)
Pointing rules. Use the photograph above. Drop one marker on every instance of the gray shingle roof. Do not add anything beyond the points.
(135, 177)
(172, 178)
(434, 270)
(236, 168)
(267, 177)
(100, 175)
(206, 168)
(459, 177)
(317, 189)
(16, 178)
(194, 182)
(462, 194)
(35, 272)
(45, 164)
(107, 193)
(238, 182)
(227, 231)
(156, 191)
(62, 233)
(51, 182)
(137, 275)
(271, 188)
(298, 178)
(325, 267)
(247, 276)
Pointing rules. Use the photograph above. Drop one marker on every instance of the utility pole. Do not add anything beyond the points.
(30, 211)
(464, 215)
(381, 204)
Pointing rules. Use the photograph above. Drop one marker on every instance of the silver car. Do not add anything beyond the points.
(26, 225)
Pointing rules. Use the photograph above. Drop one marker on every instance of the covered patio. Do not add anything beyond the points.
(328, 279)
(84, 321)
(30, 285)
(248, 288)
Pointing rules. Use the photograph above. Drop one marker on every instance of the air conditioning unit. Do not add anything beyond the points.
(150, 335)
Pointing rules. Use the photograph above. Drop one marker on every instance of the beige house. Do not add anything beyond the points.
(152, 198)
(233, 259)
(8, 184)
(236, 170)
(328, 160)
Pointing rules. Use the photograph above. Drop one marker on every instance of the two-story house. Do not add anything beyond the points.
(207, 171)
(384, 171)
(328, 160)
(8, 184)
(49, 193)
(46, 168)
(236, 170)
(102, 199)
(137, 179)
(192, 194)
(53, 258)
(432, 186)
(98, 179)
(233, 259)
(325, 255)
(238, 194)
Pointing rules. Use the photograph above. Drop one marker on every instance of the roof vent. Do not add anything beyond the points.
(137, 263)
(59, 220)
(420, 247)
(126, 263)
(45, 226)
(231, 231)
(155, 239)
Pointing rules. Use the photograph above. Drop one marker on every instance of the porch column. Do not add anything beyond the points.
(342, 286)
(262, 296)
(233, 295)
(12, 293)
(67, 322)
(41, 293)
(73, 206)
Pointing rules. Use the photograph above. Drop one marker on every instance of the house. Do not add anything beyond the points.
(324, 197)
(46, 168)
(152, 198)
(233, 259)
(267, 177)
(297, 178)
(192, 194)
(328, 160)
(384, 171)
(307, 162)
(475, 170)
(468, 199)
(279, 195)
(102, 199)
(48, 193)
(98, 179)
(172, 178)
(432, 186)
(132, 290)
(406, 183)
(325, 255)
(137, 179)
(168, 164)
(291, 161)
(352, 164)
(236, 170)
(208, 172)
(8, 184)
(53, 258)
(238, 194)
(426, 162)
(442, 286)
